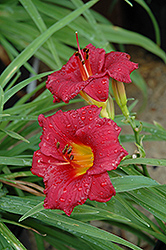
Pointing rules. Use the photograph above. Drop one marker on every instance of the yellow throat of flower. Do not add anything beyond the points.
(83, 158)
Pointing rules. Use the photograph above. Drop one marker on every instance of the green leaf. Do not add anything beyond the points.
(155, 24)
(141, 84)
(11, 239)
(127, 183)
(151, 201)
(31, 49)
(148, 161)
(22, 84)
(39, 207)
(20, 205)
(15, 161)
(14, 135)
(1, 99)
(159, 126)
(127, 1)
(119, 35)
(33, 12)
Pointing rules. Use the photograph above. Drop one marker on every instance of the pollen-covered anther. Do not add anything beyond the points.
(65, 149)
(86, 50)
(79, 55)
(71, 157)
(69, 150)
(57, 144)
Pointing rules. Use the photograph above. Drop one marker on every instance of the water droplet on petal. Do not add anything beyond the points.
(62, 199)
(83, 118)
(103, 184)
(86, 185)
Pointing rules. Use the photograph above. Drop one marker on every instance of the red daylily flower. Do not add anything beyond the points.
(76, 150)
(88, 71)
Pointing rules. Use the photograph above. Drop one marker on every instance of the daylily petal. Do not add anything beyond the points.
(50, 137)
(98, 89)
(96, 58)
(102, 136)
(67, 123)
(66, 83)
(40, 163)
(63, 190)
(119, 66)
(102, 189)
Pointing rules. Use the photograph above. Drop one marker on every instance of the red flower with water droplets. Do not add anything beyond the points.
(76, 150)
(88, 72)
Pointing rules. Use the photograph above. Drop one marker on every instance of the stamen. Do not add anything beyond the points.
(78, 54)
(82, 58)
(58, 145)
(79, 50)
(71, 157)
(86, 50)
(62, 163)
(65, 149)
(69, 150)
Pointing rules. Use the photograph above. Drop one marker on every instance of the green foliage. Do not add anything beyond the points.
(45, 29)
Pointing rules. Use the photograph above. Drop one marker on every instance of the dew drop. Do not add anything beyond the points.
(86, 185)
(62, 199)
(103, 184)
(50, 125)
(83, 118)
(104, 82)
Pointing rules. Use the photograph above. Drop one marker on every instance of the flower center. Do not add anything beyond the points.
(83, 158)
(83, 61)
(79, 156)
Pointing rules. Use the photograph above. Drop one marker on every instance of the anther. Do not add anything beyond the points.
(79, 55)
(69, 150)
(71, 157)
(86, 50)
(58, 145)
(65, 149)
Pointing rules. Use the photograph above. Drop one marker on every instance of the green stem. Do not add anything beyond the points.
(145, 171)
(136, 131)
